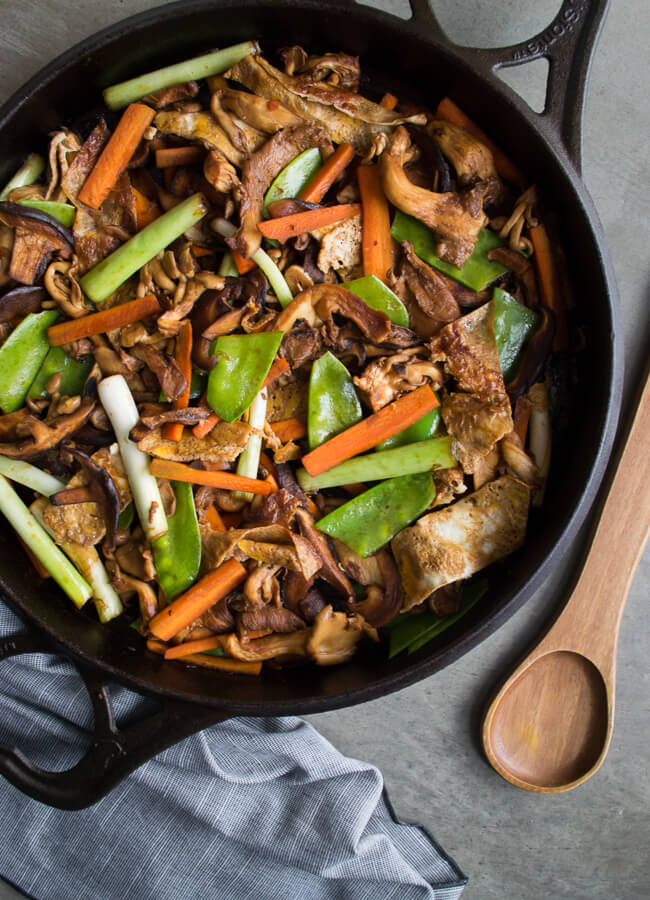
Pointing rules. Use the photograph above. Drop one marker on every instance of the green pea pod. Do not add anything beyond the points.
(197, 386)
(333, 401)
(408, 460)
(62, 212)
(376, 294)
(514, 324)
(409, 632)
(243, 362)
(371, 519)
(422, 430)
(294, 177)
(21, 356)
(73, 374)
(177, 554)
(477, 273)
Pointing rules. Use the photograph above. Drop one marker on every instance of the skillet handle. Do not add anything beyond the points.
(114, 752)
(568, 44)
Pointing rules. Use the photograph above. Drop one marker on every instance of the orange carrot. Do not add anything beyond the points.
(214, 520)
(448, 111)
(165, 468)
(182, 611)
(285, 227)
(376, 242)
(231, 520)
(115, 156)
(199, 646)
(173, 431)
(388, 101)
(198, 252)
(289, 429)
(179, 156)
(279, 367)
(145, 209)
(106, 320)
(241, 666)
(520, 417)
(243, 265)
(549, 285)
(205, 426)
(156, 646)
(400, 414)
(268, 464)
(34, 560)
(319, 185)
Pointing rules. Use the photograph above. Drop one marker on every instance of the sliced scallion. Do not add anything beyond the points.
(29, 476)
(28, 173)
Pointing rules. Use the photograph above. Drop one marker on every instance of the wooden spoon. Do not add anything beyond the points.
(549, 727)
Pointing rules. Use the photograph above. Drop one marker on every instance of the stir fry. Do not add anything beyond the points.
(274, 361)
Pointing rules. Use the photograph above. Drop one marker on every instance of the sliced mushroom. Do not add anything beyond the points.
(275, 645)
(170, 376)
(20, 301)
(220, 173)
(201, 127)
(330, 570)
(191, 415)
(262, 587)
(45, 436)
(389, 377)
(265, 115)
(173, 94)
(471, 159)
(272, 619)
(455, 218)
(336, 68)
(334, 637)
(37, 237)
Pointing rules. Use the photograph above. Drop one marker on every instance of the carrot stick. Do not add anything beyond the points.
(214, 520)
(145, 209)
(106, 320)
(179, 156)
(243, 265)
(241, 666)
(198, 252)
(205, 426)
(376, 245)
(520, 417)
(165, 468)
(289, 429)
(182, 611)
(279, 367)
(448, 111)
(189, 647)
(156, 646)
(319, 185)
(116, 154)
(400, 414)
(268, 463)
(549, 286)
(388, 101)
(285, 227)
(173, 431)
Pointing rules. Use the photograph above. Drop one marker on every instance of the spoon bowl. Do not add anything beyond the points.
(549, 727)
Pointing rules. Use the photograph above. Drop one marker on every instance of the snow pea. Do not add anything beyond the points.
(477, 273)
(376, 294)
(371, 519)
(294, 177)
(333, 401)
(243, 362)
(73, 374)
(514, 324)
(21, 356)
(177, 554)
(422, 430)
(62, 212)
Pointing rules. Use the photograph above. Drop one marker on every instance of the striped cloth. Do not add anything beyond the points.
(250, 808)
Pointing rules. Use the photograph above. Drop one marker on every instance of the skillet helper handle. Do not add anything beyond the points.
(568, 43)
(113, 753)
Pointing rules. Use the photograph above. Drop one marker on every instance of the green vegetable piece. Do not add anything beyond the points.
(227, 267)
(294, 177)
(177, 554)
(216, 651)
(119, 95)
(113, 271)
(333, 401)
(243, 362)
(73, 374)
(198, 382)
(30, 171)
(371, 519)
(127, 516)
(408, 460)
(376, 294)
(477, 273)
(514, 324)
(42, 546)
(21, 356)
(62, 212)
(422, 430)
(409, 632)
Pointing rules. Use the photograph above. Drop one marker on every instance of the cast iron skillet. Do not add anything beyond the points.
(546, 147)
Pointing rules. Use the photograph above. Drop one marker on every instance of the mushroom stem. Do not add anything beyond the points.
(118, 402)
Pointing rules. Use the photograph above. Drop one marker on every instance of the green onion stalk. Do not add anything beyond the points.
(249, 461)
(29, 476)
(276, 279)
(30, 171)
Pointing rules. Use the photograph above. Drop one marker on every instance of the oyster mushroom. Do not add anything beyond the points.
(20, 301)
(45, 436)
(37, 237)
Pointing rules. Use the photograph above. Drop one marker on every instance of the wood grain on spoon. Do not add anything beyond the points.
(549, 727)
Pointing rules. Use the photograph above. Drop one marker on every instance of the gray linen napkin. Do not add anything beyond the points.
(250, 808)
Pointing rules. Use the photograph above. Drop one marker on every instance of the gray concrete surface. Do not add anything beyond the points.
(592, 842)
